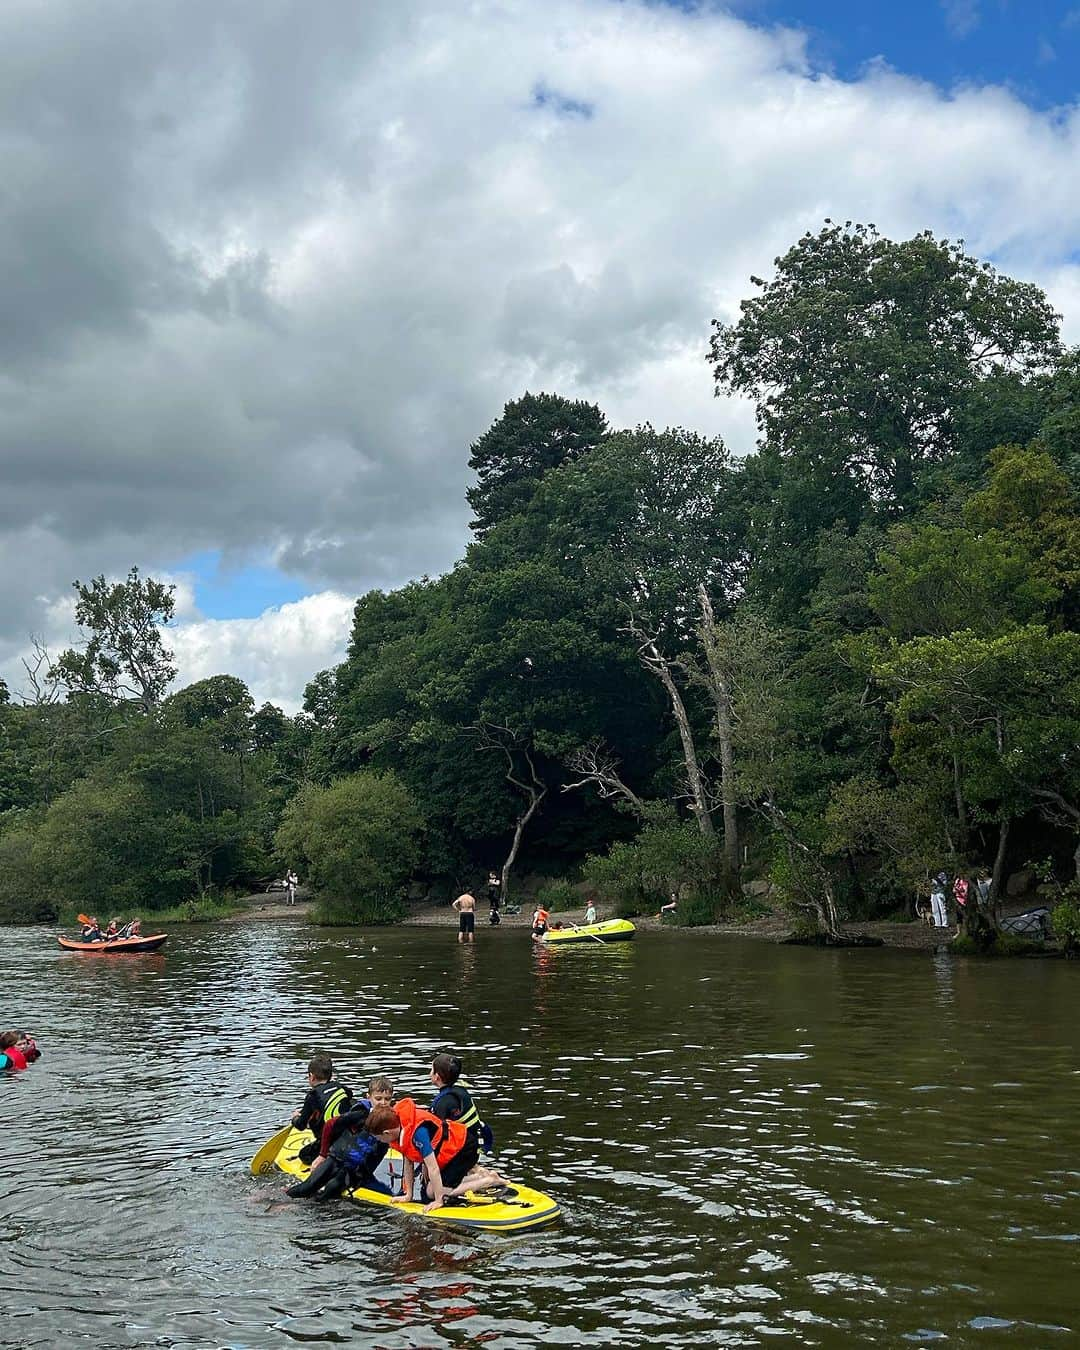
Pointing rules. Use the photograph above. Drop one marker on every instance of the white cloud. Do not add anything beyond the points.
(275, 654)
(961, 16)
(264, 297)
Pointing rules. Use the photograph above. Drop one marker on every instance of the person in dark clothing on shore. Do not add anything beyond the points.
(494, 890)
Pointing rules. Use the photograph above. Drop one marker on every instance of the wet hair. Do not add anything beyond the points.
(382, 1118)
(8, 1039)
(380, 1083)
(448, 1067)
(321, 1066)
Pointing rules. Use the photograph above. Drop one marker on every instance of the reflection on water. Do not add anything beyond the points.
(747, 1141)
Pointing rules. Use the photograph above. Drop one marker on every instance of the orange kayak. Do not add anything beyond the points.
(131, 944)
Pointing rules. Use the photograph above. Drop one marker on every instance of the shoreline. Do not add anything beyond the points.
(773, 927)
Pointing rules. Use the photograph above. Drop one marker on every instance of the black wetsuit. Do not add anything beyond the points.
(351, 1161)
(323, 1102)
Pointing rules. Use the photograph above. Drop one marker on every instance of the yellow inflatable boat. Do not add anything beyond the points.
(505, 1213)
(611, 930)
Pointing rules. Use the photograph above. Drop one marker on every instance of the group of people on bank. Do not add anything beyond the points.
(92, 931)
(938, 913)
(353, 1135)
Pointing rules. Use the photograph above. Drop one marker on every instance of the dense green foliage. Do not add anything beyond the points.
(837, 665)
(358, 839)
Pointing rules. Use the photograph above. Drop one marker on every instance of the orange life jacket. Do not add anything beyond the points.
(448, 1137)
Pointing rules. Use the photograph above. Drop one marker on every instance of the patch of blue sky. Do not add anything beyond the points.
(243, 592)
(563, 105)
(1030, 46)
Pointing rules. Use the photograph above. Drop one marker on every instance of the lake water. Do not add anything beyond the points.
(749, 1143)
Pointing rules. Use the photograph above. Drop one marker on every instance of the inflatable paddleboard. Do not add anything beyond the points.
(525, 1208)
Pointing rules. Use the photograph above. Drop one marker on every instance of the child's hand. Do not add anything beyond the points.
(402, 1199)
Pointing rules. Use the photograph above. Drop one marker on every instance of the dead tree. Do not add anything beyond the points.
(596, 764)
(524, 779)
(718, 680)
(661, 666)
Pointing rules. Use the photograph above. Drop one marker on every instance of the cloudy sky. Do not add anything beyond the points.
(270, 266)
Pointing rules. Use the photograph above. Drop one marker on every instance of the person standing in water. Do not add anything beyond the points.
(466, 907)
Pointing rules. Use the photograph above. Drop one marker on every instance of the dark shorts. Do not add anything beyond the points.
(540, 930)
(467, 923)
(461, 1164)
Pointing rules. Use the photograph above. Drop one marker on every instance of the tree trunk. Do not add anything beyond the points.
(519, 832)
(699, 804)
(720, 688)
(961, 805)
(997, 876)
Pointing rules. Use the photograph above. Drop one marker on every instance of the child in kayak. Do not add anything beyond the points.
(453, 1099)
(350, 1154)
(443, 1149)
(325, 1099)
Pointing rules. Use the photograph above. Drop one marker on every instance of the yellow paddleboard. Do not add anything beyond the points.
(510, 1214)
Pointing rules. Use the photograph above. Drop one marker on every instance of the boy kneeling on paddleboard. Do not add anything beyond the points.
(445, 1150)
(350, 1155)
(325, 1099)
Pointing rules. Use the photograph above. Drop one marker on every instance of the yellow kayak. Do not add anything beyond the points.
(526, 1208)
(610, 930)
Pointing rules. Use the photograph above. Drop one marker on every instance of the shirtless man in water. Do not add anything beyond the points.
(466, 908)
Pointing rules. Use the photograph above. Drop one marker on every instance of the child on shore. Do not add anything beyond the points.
(325, 1099)
(349, 1154)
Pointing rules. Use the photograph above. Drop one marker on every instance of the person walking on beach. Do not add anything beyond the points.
(466, 907)
(291, 883)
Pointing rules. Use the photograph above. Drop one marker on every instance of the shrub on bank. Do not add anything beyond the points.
(642, 874)
(1065, 920)
(559, 896)
(358, 841)
(1004, 944)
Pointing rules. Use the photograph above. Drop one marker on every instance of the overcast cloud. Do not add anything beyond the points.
(269, 268)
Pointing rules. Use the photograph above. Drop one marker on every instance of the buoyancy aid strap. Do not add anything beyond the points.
(470, 1117)
(333, 1104)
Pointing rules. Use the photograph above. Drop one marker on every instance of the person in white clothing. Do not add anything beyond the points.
(937, 901)
(291, 883)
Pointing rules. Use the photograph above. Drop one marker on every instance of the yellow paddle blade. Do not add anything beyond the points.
(263, 1161)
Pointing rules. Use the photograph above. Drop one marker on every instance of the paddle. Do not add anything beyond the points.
(84, 919)
(578, 929)
(264, 1159)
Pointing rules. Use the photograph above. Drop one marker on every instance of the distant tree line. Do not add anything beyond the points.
(839, 663)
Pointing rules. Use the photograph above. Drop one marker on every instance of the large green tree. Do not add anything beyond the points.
(535, 434)
(121, 655)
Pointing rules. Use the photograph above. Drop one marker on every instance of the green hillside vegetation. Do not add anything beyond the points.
(839, 663)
